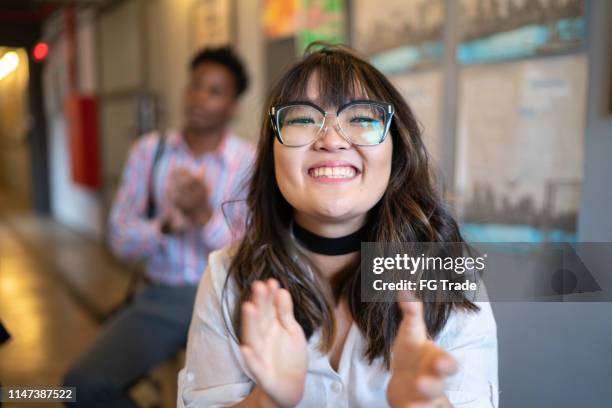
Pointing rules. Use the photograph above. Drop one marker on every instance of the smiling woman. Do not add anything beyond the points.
(279, 320)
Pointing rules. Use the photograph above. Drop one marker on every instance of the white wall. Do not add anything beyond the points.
(71, 203)
(250, 46)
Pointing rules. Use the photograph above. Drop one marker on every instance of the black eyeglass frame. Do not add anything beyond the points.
(388, 110)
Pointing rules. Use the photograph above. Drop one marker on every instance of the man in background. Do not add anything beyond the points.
(168, 212)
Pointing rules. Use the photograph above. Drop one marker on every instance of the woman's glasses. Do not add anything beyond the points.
(362, 122)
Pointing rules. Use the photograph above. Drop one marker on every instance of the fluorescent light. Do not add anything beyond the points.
(8, 63)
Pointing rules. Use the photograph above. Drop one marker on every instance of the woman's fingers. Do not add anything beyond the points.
(273, 353)
(255, 320)
(258, 300)
(273, 285)
(259, 292)
(412, 329)
(264, 303)
(284, 309)
(419, 367)
(250, 325)
(283, 305)
(260, 312)
(443, 364)
(430, 386)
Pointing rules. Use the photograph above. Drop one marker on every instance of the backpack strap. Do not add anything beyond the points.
(159, 151)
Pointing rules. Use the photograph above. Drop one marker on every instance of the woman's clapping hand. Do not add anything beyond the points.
(273, 344)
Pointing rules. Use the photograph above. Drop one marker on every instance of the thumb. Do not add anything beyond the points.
(412, 328)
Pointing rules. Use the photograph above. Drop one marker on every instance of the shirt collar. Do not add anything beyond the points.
(175, 140)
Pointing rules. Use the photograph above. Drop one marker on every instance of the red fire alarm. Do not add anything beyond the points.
(82, 124)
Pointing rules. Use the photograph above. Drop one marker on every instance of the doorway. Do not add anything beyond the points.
(15, 158)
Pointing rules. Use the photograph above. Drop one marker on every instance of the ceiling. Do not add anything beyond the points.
(34, 4)
(37, 10)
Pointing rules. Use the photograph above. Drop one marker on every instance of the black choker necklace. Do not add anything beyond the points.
(330, 246)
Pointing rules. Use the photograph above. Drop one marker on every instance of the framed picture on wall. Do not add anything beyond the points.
(211, 23)
(529, 118)
(399, 35)
(321, 20)
(279, 18)
(505, 30)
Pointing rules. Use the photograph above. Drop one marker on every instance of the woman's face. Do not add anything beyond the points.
(303, 175)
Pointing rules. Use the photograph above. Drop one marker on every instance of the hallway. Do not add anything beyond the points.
(55, 285)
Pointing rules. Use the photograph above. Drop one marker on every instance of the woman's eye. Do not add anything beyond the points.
(300, 121)
(364, 120)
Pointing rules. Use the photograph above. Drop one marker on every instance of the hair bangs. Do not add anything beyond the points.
(339, 81)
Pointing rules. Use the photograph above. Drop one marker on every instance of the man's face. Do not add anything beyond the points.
(210, 97)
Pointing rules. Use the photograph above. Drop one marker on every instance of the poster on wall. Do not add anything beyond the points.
(321, 20)
(527, 117)
(279, 18)
(423, 92)
(493, 30)
(210, 24)
(399, 35)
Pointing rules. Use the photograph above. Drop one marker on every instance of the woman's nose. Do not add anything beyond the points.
(331, 138)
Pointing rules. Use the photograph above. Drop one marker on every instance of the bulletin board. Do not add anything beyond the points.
(508, 29)
(528, 118)
(399, 35)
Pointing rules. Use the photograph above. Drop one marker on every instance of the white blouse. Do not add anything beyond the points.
(216, 376)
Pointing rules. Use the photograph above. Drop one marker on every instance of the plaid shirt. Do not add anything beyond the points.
(182, 258)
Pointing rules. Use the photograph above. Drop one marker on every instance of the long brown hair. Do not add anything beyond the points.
(411, 210)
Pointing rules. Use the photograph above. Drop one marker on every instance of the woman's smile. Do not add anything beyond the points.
(333, 172)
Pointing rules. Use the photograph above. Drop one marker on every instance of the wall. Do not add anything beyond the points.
(71, 204)
(595, 220)
(553, 354)
(250, 46)
(122, 75)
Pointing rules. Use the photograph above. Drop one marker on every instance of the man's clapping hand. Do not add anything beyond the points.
(189, 202)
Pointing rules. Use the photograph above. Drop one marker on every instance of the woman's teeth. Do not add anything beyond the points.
(333, 172)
